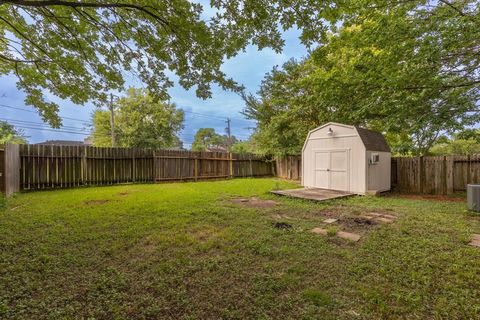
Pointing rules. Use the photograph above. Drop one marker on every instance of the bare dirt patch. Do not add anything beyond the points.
(329, 213)
(124, 194)
(255, 203)
(95, 202)
(359, 222)
(281, 225)
(475, 240)
(353, 223)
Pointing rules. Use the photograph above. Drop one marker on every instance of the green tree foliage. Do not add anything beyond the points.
(456, 147)
(244, 147)
(8, 134)
(409, 69)
(207, 138)
(394, 65)
(140, 121)
(468, 134)
(81, 50)
(465, 142)
(101, 133)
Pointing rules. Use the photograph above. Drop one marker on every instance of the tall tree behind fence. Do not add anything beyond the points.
(43, 167)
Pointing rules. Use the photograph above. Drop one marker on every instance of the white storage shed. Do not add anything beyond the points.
(346, 158)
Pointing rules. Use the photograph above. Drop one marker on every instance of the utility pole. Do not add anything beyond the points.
(112, 122)
(229, 134)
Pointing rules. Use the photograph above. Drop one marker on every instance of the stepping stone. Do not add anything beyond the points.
(331, 220)
(375, 214)
(475, 240)
(367, 217)
(389, 216)
(349, 236)
(321, 231)
(384, 220)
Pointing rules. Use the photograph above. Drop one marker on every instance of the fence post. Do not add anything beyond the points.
(133, 166)
(12, 169)
(83, 164)
(420, 174)
(2, 169)
(231, 164)
(154, 166)
(469, 167)
(195, 168)
(449, 165)
(251, 168)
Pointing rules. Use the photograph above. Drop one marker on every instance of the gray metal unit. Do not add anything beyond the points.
(473, 197)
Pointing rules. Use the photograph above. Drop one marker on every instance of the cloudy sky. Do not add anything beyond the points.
(247, 68)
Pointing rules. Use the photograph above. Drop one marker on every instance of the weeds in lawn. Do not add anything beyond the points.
(332, 230)
(318, 298)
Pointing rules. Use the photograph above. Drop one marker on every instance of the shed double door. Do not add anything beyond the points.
(331, 169)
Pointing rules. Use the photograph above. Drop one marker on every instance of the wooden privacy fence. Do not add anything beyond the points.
(189, 165)
(289, 167)
(435, 175)
(31, 167)
(45, 166)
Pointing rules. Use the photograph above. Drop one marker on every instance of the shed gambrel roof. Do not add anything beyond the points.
(373, 141)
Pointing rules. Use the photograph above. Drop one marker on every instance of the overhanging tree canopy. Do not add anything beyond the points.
(81, 50)
(409, 68)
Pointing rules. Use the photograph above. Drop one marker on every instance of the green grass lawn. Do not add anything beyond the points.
(185, 251)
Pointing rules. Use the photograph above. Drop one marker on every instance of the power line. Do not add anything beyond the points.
(53, 130)
(215, 117)
(204, 115)
(89, 123)
(24, 122)
(32, 111)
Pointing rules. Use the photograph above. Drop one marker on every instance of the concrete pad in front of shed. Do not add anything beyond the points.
(315, 194)
(475, 240)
